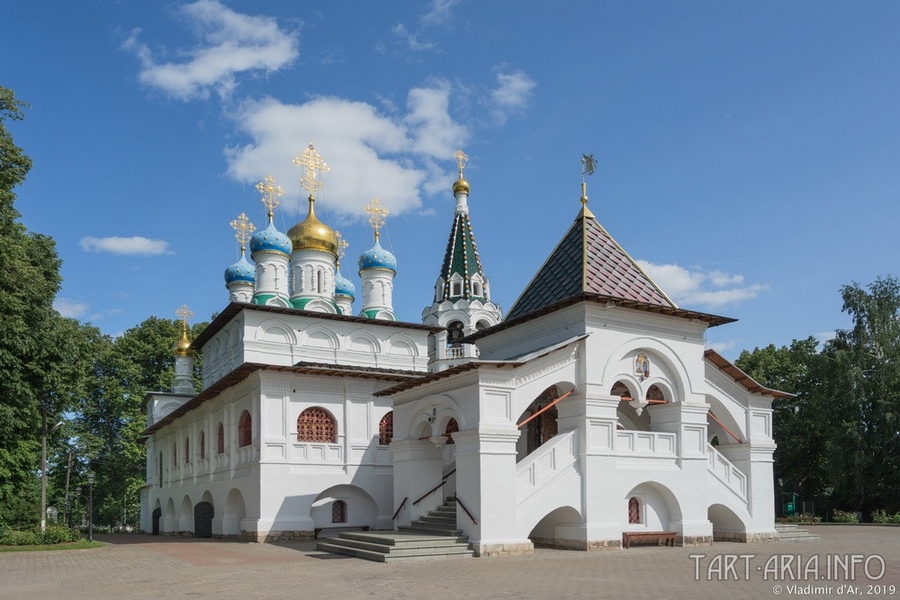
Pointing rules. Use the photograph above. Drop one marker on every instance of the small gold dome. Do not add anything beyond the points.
(183, 345)
(313, 234)
(460, 185)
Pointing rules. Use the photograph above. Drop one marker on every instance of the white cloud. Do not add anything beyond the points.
(512, 94)
(712, 289)
(125, 245)
(439, 13)
(69, 308)
(825, 336)
(369, 154)
(411, 40)
(722, 347)
(230, 43)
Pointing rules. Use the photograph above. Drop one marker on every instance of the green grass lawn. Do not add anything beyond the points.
(79, 545)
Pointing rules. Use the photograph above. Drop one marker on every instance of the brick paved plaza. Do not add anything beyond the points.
(138, 566)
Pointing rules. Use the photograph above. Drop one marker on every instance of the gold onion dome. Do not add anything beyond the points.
(183, 345)
(313, 234)
(460, 185)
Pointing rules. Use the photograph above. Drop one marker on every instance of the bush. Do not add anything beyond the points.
(53, 534)
(840, 516)
(880, 516)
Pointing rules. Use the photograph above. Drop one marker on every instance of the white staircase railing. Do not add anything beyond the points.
(543, 465)
(723, 470)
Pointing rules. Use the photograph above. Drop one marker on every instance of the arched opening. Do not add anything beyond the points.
(628, 415)
(220, 439)
(344, 505)
(655, 395)
(187, 450)
(550, 531)
(539, 422)
(157, 517)
(203, 517)
(386, 429)
(235, 512)
(482, 325)
(316, 425)
(454, 332)
(452, 427)
(245, 429)
(656, 507)
(727, 526)
(202, 445)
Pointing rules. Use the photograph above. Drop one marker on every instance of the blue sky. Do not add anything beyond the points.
(747, 152)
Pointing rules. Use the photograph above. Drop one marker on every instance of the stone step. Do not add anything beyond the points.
(790, 532)
(389, 547)
(418, 527)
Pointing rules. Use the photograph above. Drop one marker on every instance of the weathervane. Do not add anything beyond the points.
(315, 166)
(377, 213)
(588, 165)
(242, 230)
(272, 192)
(461, 160)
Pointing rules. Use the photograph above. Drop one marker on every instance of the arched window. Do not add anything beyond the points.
(187, 450)
(456, 288)
(159, 469)
(245, 425)
(174, 454)
(634, 510)
(386, 429)
(454, 331)
(339, 511)
(476, 288)
(316, 425)
(202, 445)
(452, 427)
(655, 395)
(220, 439)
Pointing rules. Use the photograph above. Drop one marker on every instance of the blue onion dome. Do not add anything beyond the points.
(377, 257)
(242, 270)
(270, 240)
(343, 286)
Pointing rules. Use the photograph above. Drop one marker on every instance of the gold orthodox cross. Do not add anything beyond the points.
(315, 166)
(461, 160)
(184, 312)
(341, 246)
(377, 213)
(272, 192)
(242, 229)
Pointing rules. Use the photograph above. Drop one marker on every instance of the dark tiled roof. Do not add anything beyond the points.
(461, 257)
(588, 261)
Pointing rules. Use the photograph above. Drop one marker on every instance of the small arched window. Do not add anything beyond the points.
(245, 426)
(316, 425)
(339, 511)
(452, 427)
(476, 288)
(456, 288)
(174, 454)
(159, 469)
(386, 429)
(634, 510)
(187, 450)
(202, 445)
(220, 439)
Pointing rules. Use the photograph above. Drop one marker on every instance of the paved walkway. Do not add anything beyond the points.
(138, 566)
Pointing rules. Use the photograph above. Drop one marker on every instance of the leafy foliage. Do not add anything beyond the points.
(839, 439)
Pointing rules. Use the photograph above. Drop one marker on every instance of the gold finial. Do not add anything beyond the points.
(183, 346)
(315, 166)
(377, 213)
(272, 192)
(242, 230)
(588, 165)
(461, 160)
(342, 245)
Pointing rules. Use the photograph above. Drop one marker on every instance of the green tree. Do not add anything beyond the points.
(111, 418)
(863, 386)
(800, 464)
(29, 361)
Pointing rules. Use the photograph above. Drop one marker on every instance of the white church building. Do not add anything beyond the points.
(590, 411)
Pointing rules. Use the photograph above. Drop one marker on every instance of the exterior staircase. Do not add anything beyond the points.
(433, 536)
(790, 532)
